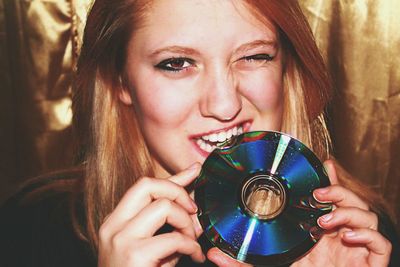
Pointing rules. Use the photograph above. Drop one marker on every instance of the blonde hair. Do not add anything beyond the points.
(110, 144)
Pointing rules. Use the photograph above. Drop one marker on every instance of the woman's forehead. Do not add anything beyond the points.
(197, 22)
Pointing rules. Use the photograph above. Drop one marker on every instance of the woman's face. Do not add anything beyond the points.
(201, 71)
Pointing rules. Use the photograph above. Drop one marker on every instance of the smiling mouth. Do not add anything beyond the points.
(211, 141)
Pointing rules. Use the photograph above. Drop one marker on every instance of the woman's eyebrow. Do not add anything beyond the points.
(175, 49)
(190, 51)
(257, 44)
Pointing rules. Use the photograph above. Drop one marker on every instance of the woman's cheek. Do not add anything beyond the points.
(263, 89)
(165, 103)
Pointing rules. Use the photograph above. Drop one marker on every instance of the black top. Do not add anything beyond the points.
(40, 233)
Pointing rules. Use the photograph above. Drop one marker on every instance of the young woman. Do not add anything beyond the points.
(159, 84)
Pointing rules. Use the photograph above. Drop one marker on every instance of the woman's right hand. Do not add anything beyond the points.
(127, 236)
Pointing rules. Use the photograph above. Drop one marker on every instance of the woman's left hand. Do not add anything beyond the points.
(352, 237)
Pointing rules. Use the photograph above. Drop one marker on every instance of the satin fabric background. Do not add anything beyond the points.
(360, 40)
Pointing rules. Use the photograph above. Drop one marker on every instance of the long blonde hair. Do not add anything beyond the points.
(110, 144)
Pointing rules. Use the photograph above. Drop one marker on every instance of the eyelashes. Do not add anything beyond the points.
(258, 57)
(253, 62)
(179, 64)
(175, 64)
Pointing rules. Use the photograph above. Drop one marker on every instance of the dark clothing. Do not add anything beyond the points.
(40, 233)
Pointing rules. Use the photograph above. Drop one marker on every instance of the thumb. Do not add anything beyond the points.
(186, 176)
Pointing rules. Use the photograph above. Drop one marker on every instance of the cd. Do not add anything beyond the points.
(255, 198)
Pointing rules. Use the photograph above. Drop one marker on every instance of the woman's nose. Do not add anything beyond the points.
(221, 98)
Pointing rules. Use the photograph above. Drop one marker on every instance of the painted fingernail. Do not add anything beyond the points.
(349, 234)
(326, 218)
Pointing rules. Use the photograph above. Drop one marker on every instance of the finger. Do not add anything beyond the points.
(349, 217)
(379, 247)
(143, 193)
(147, 189)
(221, 259)
(329, 166)
(187, 176)
(167, 244)
(149, 220)
(339, 196)
(197, 226)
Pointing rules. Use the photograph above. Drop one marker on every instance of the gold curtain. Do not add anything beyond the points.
(360, 40)
(39, 44)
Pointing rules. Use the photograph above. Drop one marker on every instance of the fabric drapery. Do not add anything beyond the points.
(360, 41)
(40, 41)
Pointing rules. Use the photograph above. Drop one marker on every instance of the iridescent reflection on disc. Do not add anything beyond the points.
(280, 173)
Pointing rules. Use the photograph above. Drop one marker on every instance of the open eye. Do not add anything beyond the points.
(175, 64)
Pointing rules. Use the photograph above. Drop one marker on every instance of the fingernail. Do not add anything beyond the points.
(327, 164)
(318, 198)
(326, 218)
(197, 226)
(349, 234)
(198, 229)
(315, 196)
(194, 205)
(194, 166)
(318, 193)
(321, 190)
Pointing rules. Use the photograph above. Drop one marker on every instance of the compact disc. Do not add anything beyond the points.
(255, 198)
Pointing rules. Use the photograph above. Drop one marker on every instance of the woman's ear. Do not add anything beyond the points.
(125, 97)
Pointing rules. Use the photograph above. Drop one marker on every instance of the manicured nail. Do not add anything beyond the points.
(350, 234)
(326, 218)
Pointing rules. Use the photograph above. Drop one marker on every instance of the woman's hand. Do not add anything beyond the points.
(127, 237)
(352, 238)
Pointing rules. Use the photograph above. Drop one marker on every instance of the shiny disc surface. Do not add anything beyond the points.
(270, 164)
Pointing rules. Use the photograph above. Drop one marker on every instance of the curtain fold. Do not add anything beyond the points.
(360, 41)
(40, 43)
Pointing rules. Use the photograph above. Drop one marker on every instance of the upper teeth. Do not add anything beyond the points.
(217, 138)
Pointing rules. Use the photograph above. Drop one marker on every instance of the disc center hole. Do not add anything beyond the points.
(263, 197)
